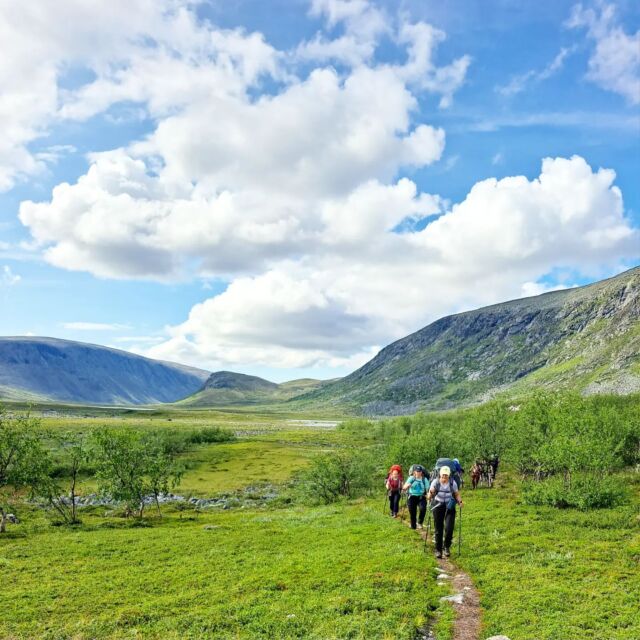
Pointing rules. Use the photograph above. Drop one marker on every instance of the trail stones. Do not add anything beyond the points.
(498, 638)
(458, 598)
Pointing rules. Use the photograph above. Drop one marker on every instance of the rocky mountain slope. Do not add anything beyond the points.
(33, 369)
(227, 388)
(587, 339)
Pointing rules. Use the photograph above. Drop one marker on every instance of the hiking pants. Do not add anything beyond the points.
(443, 518)
(394, 502)
(414, 502)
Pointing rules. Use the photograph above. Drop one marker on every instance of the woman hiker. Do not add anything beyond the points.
(416, 486)
(394, 487)
(444, 494)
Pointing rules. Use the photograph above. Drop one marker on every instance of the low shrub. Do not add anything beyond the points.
(346, 473)
(586, 492)
(210, 435)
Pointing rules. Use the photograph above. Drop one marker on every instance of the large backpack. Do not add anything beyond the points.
(398, 468)
(446, 462)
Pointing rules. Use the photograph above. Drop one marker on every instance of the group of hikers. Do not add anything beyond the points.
(484, 470)
(441, 492)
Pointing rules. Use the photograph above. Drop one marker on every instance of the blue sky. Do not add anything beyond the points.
(283, 188)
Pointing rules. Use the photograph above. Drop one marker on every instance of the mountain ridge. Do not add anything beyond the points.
(230, 388)
(509, 346)
(584, 338)
(54, 369)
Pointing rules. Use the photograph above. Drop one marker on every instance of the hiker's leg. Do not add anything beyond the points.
(423, 509)
(438, 521)
(413, 508)
(394, 502)
(449, 527)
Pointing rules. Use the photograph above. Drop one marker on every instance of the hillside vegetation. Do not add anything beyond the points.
(554, 547)
(585, 339)
(225, 388)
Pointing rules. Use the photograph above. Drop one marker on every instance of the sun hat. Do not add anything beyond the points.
(445, 471)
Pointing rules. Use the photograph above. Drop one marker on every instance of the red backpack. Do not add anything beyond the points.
(398, 468)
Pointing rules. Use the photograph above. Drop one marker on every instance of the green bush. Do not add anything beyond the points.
(586, 492)
(346, 473)
(210, 435)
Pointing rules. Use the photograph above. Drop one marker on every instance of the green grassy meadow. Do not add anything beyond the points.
(546, 573)
(341, 571)
(271, 446)
(288, 569)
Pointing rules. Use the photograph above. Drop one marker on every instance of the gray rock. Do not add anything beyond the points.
(12, 518)
(458, 598)
(498, 638)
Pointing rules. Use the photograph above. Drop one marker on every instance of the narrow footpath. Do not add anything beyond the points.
(465, 598)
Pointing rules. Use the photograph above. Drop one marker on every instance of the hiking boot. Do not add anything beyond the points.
(439, 555)
(419, 526)
(447, 552)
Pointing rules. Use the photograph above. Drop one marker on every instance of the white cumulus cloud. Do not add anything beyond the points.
(342, 301)
(285, 176)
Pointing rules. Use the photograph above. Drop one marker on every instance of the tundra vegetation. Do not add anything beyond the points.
(297, 544)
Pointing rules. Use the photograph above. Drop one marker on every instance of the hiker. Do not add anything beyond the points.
(416, 486)
(494, 462)
(476, 472)
(443, 495)
(394, 488)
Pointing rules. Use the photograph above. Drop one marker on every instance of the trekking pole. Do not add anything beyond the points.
(426, 537)
(386, 497)
(460, 533)
(431, 510)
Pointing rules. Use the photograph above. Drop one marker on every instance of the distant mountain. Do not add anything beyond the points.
(587, 339)
(33, 369)
(225, 388)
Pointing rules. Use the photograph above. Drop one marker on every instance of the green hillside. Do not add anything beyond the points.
(12, 394)
(225, 388)
(586, 339)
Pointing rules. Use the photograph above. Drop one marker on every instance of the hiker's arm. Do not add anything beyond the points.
(430, 493)
(456, 495)
(406, 485)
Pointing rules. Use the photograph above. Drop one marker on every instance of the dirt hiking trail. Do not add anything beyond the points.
(465, 598)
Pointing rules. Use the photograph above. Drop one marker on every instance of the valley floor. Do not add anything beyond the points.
(328, 572)
(341, 571)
